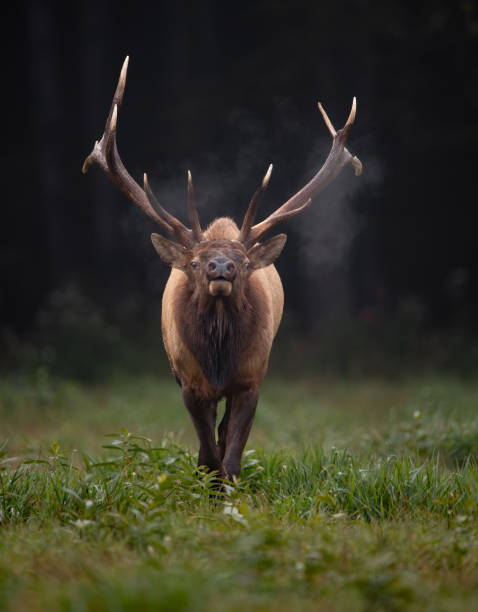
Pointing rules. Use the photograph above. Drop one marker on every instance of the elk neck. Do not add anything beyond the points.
(217, 331)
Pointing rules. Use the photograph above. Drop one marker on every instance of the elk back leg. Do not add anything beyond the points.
(203, 415)
(242, 408)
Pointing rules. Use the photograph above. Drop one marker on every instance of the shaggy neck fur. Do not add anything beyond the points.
(217, 332)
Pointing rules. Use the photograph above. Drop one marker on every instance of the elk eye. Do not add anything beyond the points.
(194, 264)
(247, 264)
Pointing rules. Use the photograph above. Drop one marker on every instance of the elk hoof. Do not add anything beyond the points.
(232, 471)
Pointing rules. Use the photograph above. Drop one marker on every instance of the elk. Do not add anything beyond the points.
(223, 301)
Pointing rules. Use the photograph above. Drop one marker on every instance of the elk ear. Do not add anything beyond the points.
(263, 254)
(173, 254)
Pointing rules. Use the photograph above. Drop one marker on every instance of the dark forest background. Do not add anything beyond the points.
(380, 274)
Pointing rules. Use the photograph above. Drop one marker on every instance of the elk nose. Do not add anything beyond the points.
(221, 267)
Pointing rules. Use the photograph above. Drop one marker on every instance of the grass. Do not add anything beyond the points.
(353, 496)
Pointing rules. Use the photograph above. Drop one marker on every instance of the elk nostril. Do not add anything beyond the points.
(230, 267)
(211, 266)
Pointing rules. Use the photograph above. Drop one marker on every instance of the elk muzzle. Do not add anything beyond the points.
(221, 271)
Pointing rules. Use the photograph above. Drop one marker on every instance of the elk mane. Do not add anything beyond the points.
(218, 332)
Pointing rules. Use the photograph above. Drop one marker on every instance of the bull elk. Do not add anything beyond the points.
(223, 301)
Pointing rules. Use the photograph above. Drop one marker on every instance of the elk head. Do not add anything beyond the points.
(218, 267)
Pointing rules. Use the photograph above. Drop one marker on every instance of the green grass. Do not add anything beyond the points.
(353, 496)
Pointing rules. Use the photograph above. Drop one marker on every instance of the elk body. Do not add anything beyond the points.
(223, 301)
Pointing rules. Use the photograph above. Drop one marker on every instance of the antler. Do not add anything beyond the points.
(105, 154)
(252, 208)
(338, 157)
(193, 211)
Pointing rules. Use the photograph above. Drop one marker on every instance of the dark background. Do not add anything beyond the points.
(380, 274)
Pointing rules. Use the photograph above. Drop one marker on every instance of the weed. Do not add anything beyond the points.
(378, 515)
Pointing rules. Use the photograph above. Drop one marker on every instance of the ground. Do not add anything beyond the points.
(354, 495)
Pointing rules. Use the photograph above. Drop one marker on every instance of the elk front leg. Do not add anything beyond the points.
(203, 415)
(222, 429)
(239, 415)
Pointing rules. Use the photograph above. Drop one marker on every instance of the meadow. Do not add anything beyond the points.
(354, 495)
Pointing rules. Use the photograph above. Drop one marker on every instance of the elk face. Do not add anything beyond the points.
(218, 268)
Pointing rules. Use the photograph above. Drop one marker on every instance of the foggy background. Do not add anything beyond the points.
(380, 273)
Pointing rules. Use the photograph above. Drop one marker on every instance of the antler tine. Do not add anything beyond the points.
(348, 123)
(96, 155)
(105, 154)
(338, 157)
(355, 161)
(119, 92)
(251, 212)
(193, 211)
(327, 121)
(181, 233)
(353, 112)
(260, 230)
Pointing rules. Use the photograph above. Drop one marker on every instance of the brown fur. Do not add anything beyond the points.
(216, 345)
